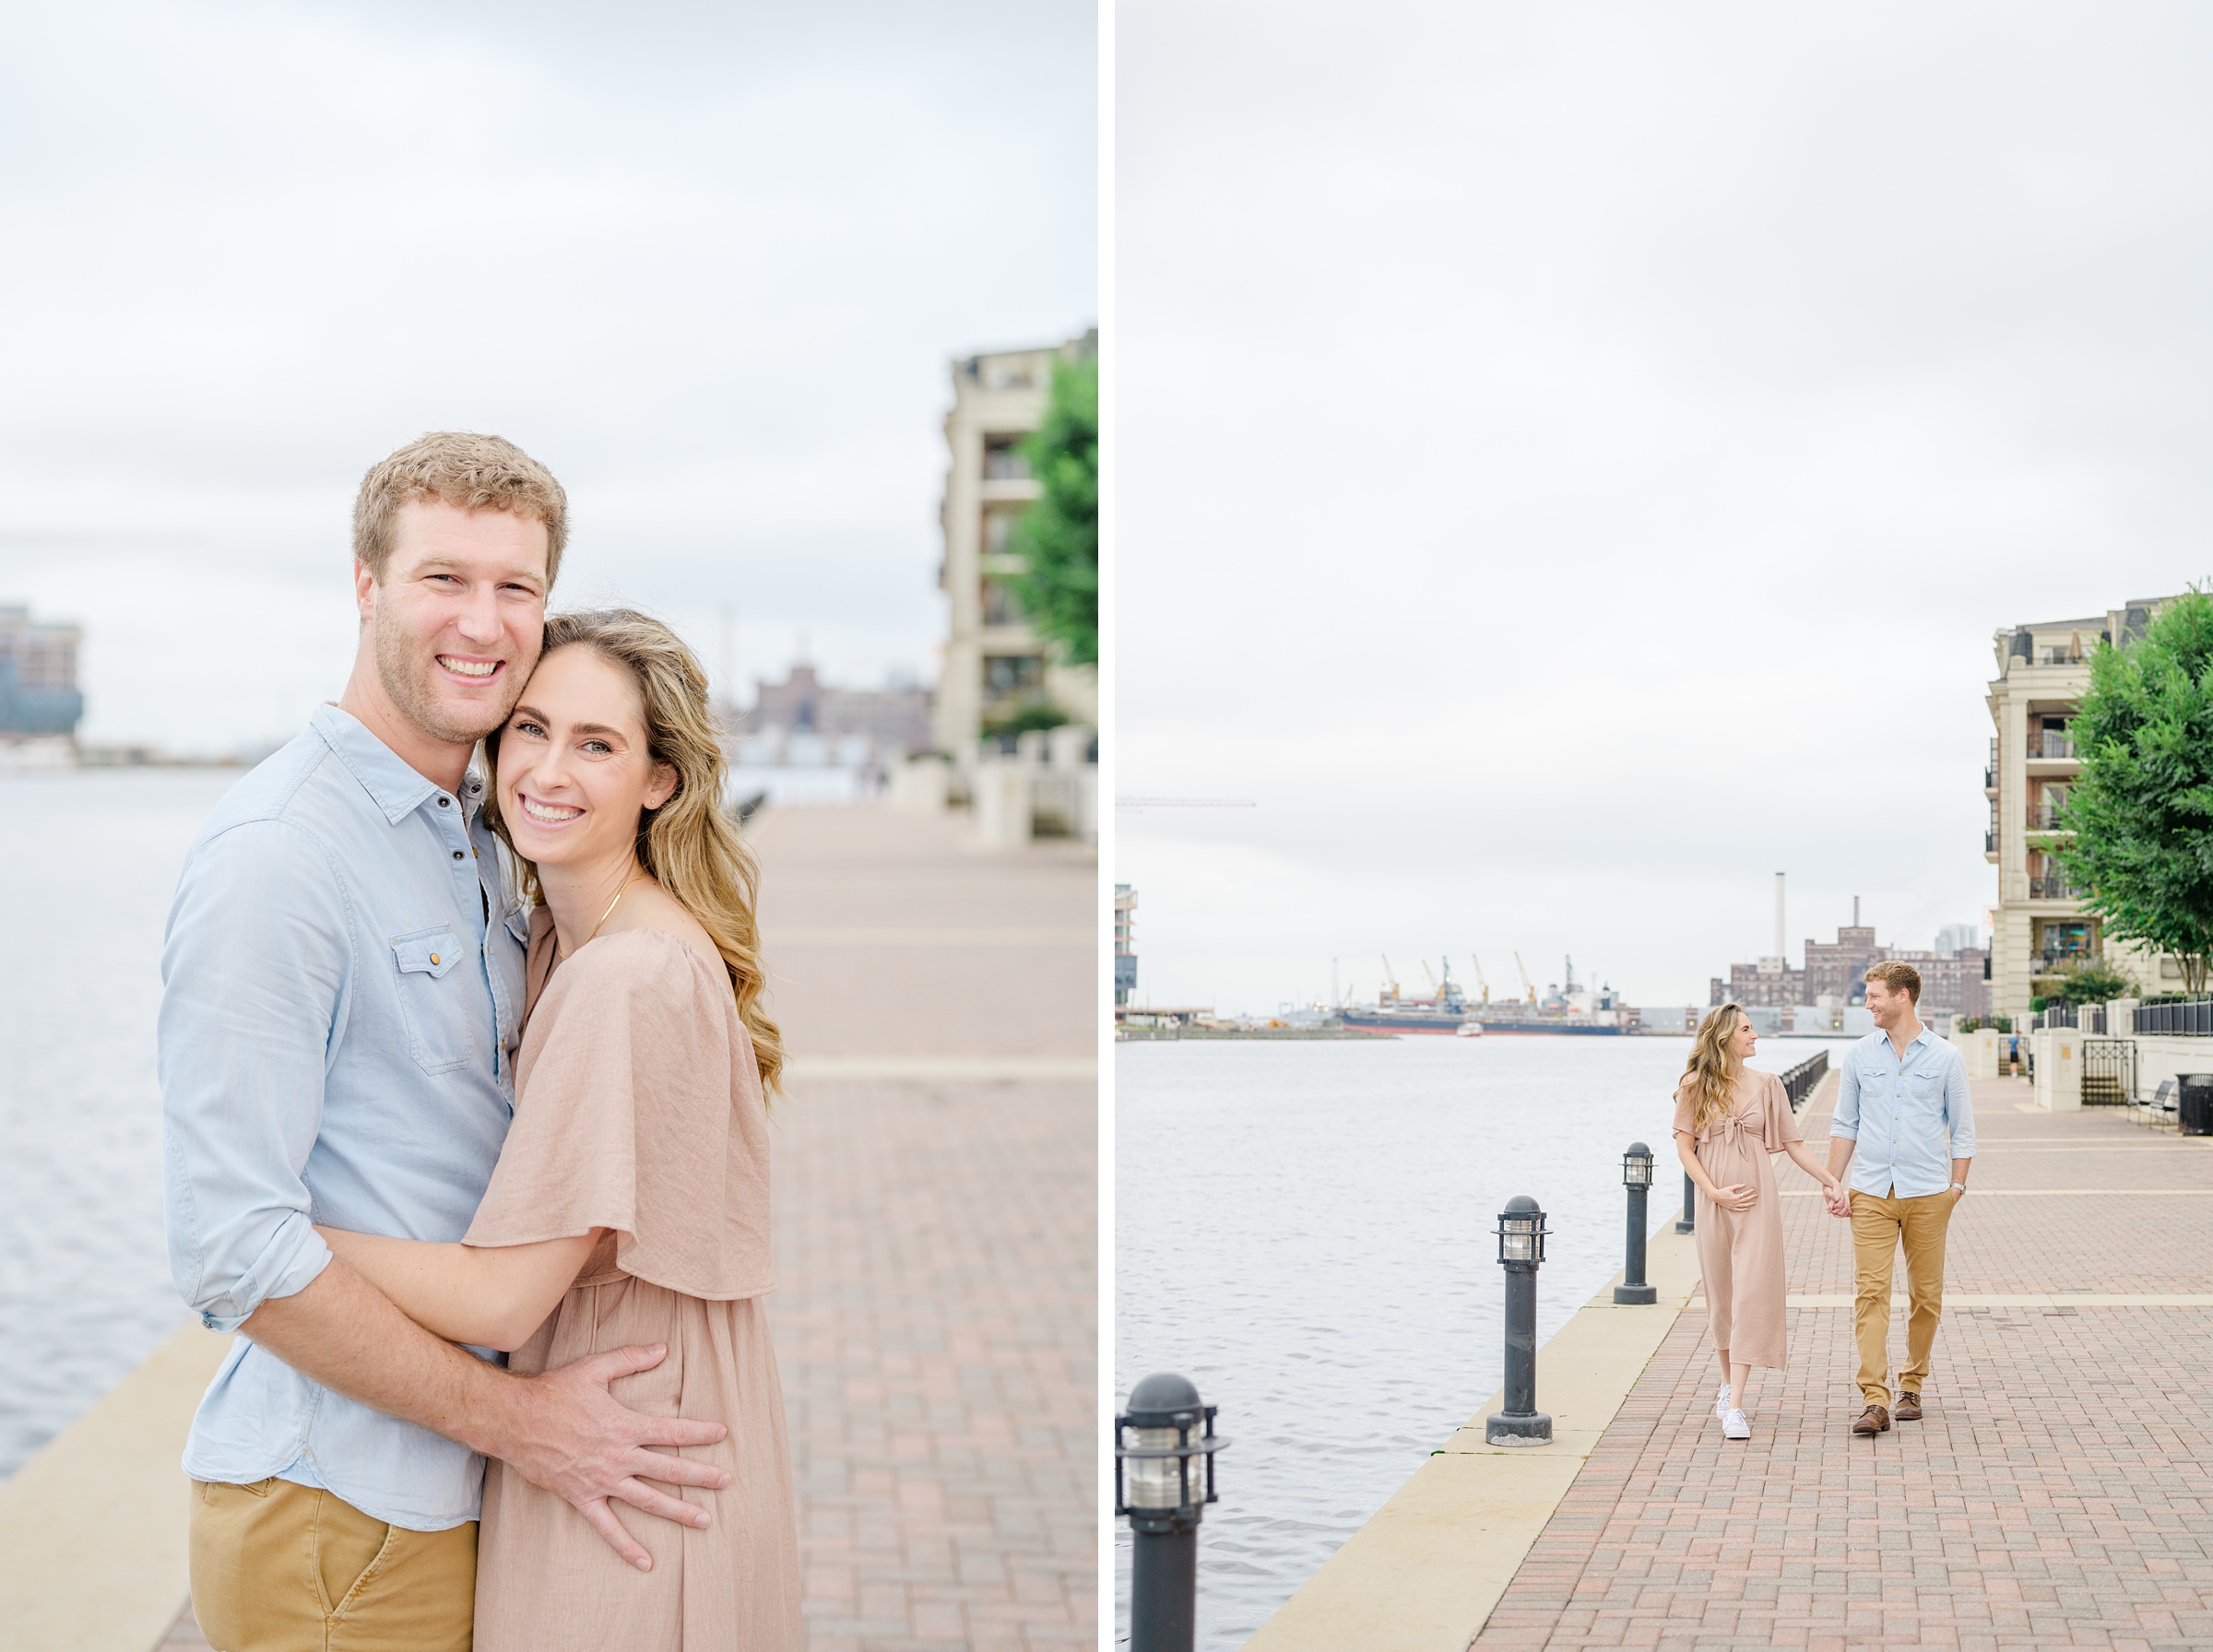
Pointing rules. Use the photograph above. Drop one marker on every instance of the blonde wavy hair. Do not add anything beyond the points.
(1711, 1072)
(689, 845)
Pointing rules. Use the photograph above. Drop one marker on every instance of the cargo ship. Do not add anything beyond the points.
(1568, 1009)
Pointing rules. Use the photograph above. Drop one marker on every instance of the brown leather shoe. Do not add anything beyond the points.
(1874, 1419)
(1908, 1409)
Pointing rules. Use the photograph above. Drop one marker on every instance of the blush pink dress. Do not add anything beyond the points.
(639, 1109)
(1740, 1251)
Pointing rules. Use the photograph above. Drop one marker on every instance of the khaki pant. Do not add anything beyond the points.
(1879, 1224)
(278, 1567)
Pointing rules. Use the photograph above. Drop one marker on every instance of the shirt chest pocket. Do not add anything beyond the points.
(434, 1001)
(1923, 1083)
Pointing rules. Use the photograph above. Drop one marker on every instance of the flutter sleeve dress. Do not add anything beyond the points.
(1740, 1251)
(639, 1109)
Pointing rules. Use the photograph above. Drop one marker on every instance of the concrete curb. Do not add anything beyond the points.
(92, 1529)
(1424, 1571)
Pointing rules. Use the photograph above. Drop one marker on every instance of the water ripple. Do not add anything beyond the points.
(1304, 1230)
(87, 863)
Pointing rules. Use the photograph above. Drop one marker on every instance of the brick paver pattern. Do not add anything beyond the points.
(936, 1319)
(2059, 1491)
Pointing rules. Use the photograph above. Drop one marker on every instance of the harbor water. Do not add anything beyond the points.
(1306, 1230)
(88, 862)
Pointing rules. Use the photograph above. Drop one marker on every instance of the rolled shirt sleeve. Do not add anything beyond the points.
(256, 972)
(1845, 1121)
(1960, 1107)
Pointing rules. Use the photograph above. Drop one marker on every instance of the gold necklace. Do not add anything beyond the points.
(610, 907)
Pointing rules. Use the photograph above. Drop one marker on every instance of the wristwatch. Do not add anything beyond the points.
(1958, 1186)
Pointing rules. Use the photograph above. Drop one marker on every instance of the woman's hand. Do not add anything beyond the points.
(1737, 1195)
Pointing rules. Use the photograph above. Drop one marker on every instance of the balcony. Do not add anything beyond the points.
(2048, 746)
(1990, 846)
(2045, 817)
(2052, 886)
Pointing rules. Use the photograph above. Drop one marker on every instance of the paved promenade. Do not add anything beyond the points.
(2058, 1493)
(936, 1228)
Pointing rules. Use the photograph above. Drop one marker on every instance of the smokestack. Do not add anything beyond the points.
(1779, 952)
(1855, 911)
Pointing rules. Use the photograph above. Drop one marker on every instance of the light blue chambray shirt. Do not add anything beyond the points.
(341, 988)
(1912, 1119)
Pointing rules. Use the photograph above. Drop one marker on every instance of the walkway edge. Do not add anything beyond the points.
(92, 1529)
(1424, 1571)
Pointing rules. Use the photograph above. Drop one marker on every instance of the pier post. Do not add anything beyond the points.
(1689, 1223)
(1520, 1252)
(1164, 1473)
(1637, 1177)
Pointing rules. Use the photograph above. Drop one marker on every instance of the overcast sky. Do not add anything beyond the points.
(1572, 460)
(708, 262)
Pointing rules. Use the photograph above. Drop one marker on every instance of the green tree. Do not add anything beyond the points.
(2142, 812)
(2094, 983)
(1057, 536)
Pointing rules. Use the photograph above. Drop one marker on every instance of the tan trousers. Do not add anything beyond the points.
(278, 1567)
(1879, 1225)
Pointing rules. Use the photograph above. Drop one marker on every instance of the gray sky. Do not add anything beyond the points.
(1572, 459)
(708, 262)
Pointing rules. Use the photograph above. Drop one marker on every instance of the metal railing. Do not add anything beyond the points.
(2048, 747)
(1799, 1083)
(2187, 1017)
(2052, 886)
(2109, 1071)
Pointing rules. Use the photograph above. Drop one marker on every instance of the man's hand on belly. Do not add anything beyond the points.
(561, 1431)
(568, 1435)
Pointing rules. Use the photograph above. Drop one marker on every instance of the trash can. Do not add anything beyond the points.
(2195, 1111)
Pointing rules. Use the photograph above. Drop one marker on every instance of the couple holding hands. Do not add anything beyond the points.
(1900, 1144)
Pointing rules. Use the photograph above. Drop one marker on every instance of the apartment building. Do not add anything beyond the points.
(2039, 929)
(38, 676)
(1124, 944)
(994, 662)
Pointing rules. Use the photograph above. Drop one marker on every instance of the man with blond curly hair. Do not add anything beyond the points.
(341, 1008)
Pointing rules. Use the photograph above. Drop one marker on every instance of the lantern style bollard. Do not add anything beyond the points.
(1162, 1490)
(1637, 1177)
(1689, 1224)
(1520, 1252)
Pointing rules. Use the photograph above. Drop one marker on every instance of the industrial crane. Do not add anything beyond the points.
(1479, 978)
(1390, 979)
(1523, 969)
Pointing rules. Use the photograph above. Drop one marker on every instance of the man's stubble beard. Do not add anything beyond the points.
(404, 677)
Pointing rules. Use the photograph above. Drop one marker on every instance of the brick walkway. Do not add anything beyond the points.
(2059, 1492)
(936, 1241)
(938, 1323)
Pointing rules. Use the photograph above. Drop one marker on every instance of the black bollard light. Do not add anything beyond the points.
(1689, 1223)
(1637, 1177)
(1163, 1477)
(1520, 1252)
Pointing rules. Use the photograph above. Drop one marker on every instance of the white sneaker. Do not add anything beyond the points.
(1734, 1427)
(1720, 1405)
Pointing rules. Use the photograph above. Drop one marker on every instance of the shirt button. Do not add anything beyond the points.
(456, 855)
(434, 958)
(445, 803)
